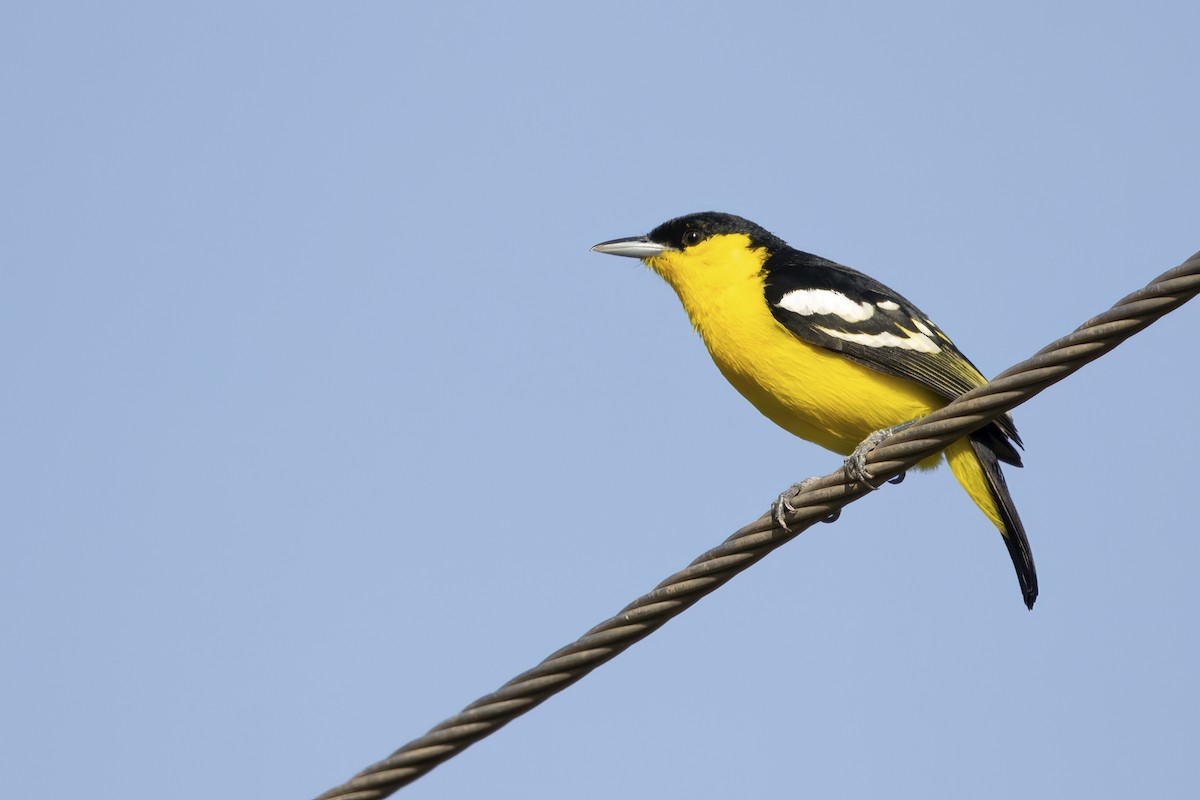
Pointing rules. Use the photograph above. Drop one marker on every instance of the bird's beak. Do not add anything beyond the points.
(633, 247)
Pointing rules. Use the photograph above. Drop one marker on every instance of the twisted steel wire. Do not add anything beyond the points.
(820, 499)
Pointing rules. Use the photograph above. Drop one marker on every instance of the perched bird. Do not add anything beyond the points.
(826, 352)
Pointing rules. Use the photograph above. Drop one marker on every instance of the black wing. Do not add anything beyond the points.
(838, 308)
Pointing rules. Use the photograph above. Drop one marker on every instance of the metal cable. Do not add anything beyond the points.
(821, 498)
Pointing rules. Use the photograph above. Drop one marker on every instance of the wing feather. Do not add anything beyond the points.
(839, 308)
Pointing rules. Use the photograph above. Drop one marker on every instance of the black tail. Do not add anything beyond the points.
(1014, 532)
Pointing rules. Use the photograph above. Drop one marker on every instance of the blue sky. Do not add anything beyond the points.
(320, 419)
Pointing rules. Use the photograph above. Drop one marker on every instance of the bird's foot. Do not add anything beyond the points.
(856, 465)
(783, 505)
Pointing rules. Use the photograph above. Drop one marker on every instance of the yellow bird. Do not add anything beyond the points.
(826, 352)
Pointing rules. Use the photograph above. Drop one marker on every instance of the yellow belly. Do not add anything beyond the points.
(814, 393)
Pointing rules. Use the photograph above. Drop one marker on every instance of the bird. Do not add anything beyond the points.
(828, 353)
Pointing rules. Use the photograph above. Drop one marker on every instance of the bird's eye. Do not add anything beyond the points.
(692, 237)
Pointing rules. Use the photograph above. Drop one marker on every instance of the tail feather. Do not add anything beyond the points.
(1001, 440)
(975, 465)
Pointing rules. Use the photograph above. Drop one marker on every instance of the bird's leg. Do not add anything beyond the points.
(783, 504)
(856, 465)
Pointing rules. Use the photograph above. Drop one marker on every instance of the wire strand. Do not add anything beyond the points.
(821, 498)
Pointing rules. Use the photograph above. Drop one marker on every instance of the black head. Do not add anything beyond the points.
(683, 232)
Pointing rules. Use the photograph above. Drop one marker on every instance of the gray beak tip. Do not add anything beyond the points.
(631, 247)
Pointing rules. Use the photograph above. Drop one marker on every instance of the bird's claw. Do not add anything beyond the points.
(783, 505)
(856, 465)
(855, 468)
